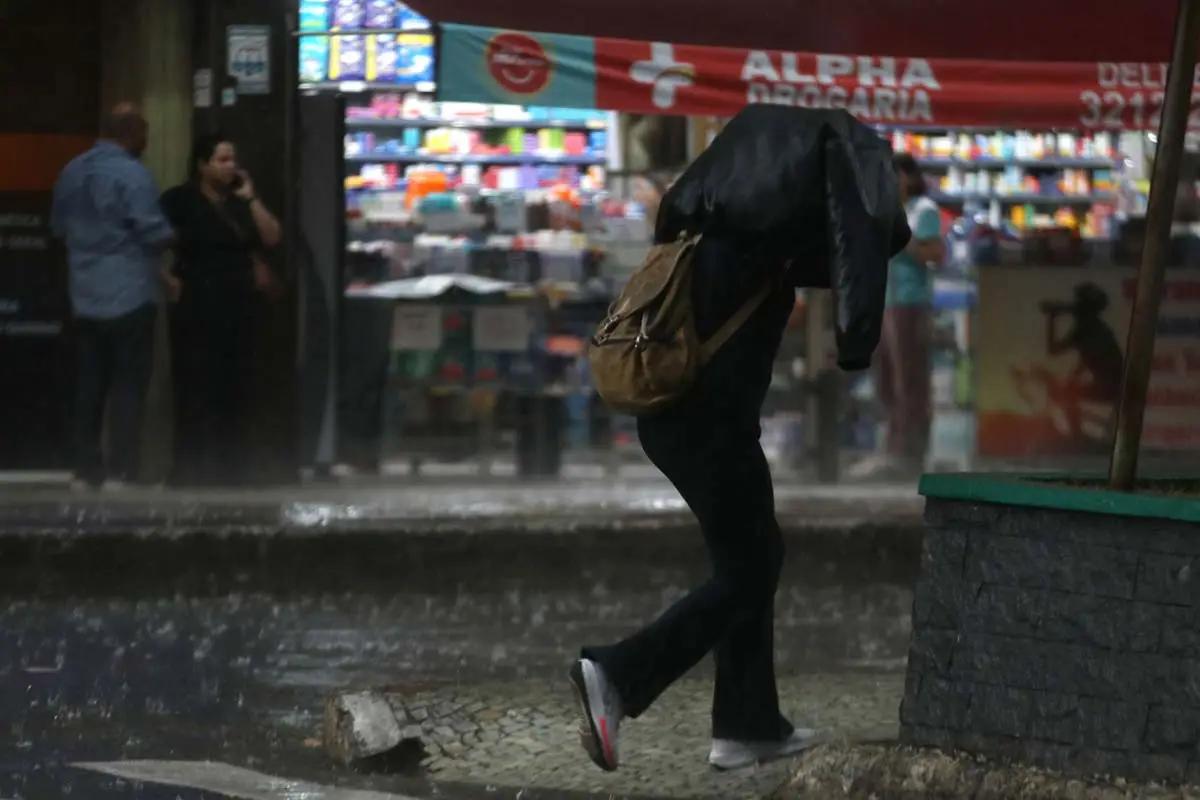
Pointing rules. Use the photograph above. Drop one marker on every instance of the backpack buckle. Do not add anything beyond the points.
(643, 335)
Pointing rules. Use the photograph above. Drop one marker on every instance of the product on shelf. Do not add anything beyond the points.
(1020, 179)
(349, 14)
(380, 14)
(409, 20)
(1005, 146)
(381, 57)
(351, 53)
(393, 109)
(414, 58)
(314, 50)
(494, 148)
(348, 58)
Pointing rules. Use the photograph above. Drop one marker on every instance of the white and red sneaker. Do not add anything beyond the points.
(600, 713)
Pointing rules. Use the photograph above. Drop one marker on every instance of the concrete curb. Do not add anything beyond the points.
(124, 554)
(406, 537)
(181, 518)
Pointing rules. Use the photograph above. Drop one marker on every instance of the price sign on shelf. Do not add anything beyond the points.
(416, 328)
(248, 57)
(501, 329)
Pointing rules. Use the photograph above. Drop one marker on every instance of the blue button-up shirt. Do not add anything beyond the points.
(106, 211)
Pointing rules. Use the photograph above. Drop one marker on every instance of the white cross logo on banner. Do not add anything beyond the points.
(662, 72)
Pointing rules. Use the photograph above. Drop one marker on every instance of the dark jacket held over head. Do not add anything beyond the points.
(780, 184)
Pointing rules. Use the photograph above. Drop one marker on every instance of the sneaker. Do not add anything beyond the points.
(728, 754)
(115, 486)
(871, 467)
(600, 713)
(885, 469)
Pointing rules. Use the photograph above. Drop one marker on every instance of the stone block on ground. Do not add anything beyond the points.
(360, 726)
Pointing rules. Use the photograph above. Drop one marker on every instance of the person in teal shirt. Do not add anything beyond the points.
(902, 361)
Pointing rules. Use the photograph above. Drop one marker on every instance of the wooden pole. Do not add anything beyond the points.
(1143, 323)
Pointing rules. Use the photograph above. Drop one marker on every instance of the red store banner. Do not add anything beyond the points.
(500, 66)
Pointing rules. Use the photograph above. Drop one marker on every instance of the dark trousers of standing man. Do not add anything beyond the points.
(115, 361)
(708, 447)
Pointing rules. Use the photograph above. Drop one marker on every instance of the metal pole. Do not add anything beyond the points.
(291, 71)
(1143, 323)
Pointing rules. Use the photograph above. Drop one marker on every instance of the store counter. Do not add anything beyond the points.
(435, 367)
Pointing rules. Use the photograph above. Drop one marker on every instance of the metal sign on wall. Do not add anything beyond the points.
(248, 58)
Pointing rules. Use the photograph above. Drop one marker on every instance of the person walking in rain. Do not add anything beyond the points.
(741, 275)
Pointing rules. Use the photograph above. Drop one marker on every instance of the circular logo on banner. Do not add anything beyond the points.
(518, 62)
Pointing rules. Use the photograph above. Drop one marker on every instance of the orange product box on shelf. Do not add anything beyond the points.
(423, 182)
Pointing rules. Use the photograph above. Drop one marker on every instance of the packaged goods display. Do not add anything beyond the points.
(401, 54)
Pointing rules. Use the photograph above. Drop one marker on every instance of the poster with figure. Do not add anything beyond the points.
(1049, 353)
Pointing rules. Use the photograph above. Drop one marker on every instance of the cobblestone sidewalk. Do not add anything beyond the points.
(524, 735)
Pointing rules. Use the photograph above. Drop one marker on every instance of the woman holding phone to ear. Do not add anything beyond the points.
(215, 286)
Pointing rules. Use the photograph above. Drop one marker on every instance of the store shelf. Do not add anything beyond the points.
(328, 33)
(355, 87)
(1051, 199)
(1023, 163)
(473, 190)
(415, 158)
(366, 123)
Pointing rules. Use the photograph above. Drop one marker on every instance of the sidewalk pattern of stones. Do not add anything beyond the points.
(526, 735)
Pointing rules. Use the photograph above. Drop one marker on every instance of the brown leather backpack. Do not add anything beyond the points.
(645, 355)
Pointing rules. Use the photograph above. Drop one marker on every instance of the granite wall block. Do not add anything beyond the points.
(1066, 639)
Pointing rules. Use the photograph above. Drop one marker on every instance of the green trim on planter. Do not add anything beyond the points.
(1048, 491)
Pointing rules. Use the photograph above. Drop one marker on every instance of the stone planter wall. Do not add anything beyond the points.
(1066, 638)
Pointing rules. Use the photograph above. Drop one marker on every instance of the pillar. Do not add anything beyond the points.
(50, 107)
(147, 59)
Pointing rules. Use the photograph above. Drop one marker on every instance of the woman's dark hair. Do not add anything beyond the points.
(907, 167)
(203, 149)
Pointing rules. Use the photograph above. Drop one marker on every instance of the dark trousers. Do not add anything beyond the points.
(902, 376)
(719, 468)
(212, 342)
(115, 360)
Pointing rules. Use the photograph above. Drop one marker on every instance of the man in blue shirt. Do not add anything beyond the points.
(106, 211)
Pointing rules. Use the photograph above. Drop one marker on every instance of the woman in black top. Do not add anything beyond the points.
(215, 287)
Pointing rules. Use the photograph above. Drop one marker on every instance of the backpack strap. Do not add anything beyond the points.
(739, 318)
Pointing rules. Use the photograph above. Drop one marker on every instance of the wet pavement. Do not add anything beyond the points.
(242, 678)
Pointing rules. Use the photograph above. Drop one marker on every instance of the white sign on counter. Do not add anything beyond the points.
(416, 327)
(500, 329)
